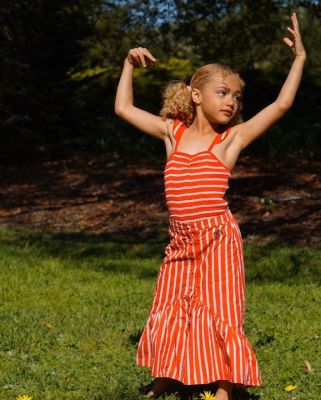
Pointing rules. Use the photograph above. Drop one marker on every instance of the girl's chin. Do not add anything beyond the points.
(221, 121)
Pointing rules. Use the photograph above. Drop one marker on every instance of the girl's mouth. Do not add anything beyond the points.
(228, 113)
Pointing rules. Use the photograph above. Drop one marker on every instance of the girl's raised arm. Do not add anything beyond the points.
(124, 103)
(254, 127)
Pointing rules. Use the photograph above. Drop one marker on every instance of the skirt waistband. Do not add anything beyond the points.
(210, 222)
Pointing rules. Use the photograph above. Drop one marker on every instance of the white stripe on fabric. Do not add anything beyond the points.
(196, 179)
(176, 129)
(201, 201)
(190, 195)
(206, 173)
(214, 212)
(193, 207)
(219, 253)
(201, 168)
(227, 280)
(235, 273)
(196, 187)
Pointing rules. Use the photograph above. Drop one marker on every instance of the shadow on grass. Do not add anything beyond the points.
(243, 394)
(270, 262)
(284, 264)
(134, 337)
(193, 392)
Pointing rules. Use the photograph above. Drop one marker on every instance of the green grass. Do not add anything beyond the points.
(72, 307)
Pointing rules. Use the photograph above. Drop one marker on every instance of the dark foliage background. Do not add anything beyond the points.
(60, 62)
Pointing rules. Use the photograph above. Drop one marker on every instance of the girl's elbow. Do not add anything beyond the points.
(123, 110)
(284, 106)
(119, 110)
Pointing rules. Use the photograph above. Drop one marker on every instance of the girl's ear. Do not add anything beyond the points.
(196, 96)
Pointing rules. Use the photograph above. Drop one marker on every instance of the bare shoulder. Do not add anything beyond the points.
(229, 149)
(236, 134)
(230, 137)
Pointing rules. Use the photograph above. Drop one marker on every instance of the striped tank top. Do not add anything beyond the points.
(195, 184)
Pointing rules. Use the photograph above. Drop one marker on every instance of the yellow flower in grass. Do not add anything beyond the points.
(24, 397)
(289, 388)
(207, 396)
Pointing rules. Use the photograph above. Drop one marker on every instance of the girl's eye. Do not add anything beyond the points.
(221, 93)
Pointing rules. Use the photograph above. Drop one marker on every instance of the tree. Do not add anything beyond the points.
(39, 44)
(60, 62)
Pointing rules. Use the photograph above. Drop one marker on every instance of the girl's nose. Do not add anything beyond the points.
(230, 100)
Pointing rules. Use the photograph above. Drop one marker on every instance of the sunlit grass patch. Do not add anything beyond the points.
(73, 307)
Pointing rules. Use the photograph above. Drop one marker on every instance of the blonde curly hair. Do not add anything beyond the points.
(177, 96)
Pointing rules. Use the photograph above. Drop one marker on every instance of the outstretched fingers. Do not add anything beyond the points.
(295, 22)
(296, 42)
(288, 41)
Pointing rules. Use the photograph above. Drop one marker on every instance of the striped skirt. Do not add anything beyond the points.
(194, 333)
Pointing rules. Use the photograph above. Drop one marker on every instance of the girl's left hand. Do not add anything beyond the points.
(296, 43)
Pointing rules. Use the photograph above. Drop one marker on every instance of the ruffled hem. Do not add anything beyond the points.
(190, 344)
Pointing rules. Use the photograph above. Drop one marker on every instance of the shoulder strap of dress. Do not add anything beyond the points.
(178, 129)
(219, 138)
(225, 134)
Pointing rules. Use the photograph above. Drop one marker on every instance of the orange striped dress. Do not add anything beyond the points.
(194, 333)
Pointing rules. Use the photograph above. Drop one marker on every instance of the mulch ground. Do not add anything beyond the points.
(124, 199)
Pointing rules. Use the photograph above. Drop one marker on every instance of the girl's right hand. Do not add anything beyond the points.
(140, 56)
(124, 103)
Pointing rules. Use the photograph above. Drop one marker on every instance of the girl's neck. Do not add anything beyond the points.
(203, 127)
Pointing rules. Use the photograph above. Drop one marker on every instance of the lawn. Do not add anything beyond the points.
(72, 307)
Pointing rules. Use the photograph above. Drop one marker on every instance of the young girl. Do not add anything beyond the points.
(195, 333)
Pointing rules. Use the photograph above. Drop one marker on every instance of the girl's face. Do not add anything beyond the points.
(219, 98)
